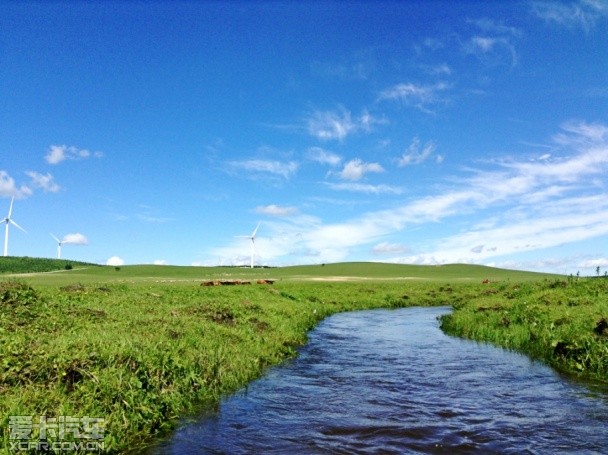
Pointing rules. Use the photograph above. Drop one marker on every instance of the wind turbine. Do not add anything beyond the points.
(8, 220)
(252, 238)
(59, 243)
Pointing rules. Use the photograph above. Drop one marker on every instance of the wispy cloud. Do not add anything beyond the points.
(581, 13)
(438, 70)
(494, 44)
(490, 26)
(432, 44)
(550, 219)
(509, 207)
(416, 95)
(75, 239)
(415, 154)
(276, 210)
(258, 167)
(323, 156)
(58, 153)
(338, 124)
(8, 187)
(43, 181)
(552, 224)
(365, 188)
(494, 50)
(356, 169)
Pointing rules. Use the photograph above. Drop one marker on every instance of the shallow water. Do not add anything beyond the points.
(389, 381)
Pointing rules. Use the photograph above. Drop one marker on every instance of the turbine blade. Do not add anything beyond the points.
(56, 239)
(10, 208)
(17, 226)
(255, 230)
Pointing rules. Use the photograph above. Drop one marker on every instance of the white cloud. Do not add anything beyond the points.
(276, 210)
(115, 261)
(495, 50)
(365, 188)
(8, 188)
(565, 221)
(160, 262)
(443, 69)
(75, 239)
(580, 13)
(367, 121)
(58, 153)
(43, 181)
(511, 208)
(323, 156)
(495, 43)
(338, 124)
(485, 44)
(419, 96)
(356, 169)
(490, 26)
(581, 134)
(415, 155)
(272, 167)
(593, 263)
(328, 125)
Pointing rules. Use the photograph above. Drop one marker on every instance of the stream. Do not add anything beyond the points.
(390, 381)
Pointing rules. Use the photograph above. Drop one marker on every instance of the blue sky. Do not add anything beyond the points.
(425, 132)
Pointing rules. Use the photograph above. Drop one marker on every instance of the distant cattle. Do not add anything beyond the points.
(225, 283)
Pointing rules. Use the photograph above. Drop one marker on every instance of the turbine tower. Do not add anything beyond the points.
(252, 238)
(8, 220)
(59, 243)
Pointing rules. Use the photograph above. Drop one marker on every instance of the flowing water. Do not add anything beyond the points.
(389, 381)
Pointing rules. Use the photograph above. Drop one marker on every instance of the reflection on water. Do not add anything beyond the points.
(389, 381)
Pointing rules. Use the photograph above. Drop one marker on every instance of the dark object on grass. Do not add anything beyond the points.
(602, 327)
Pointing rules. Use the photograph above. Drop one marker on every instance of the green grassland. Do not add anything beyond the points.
(15, 265)
(151, 274)
(142, 345)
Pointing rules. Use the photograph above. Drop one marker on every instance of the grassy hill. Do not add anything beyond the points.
(17, 264)
(345, 271)
(377, 270)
